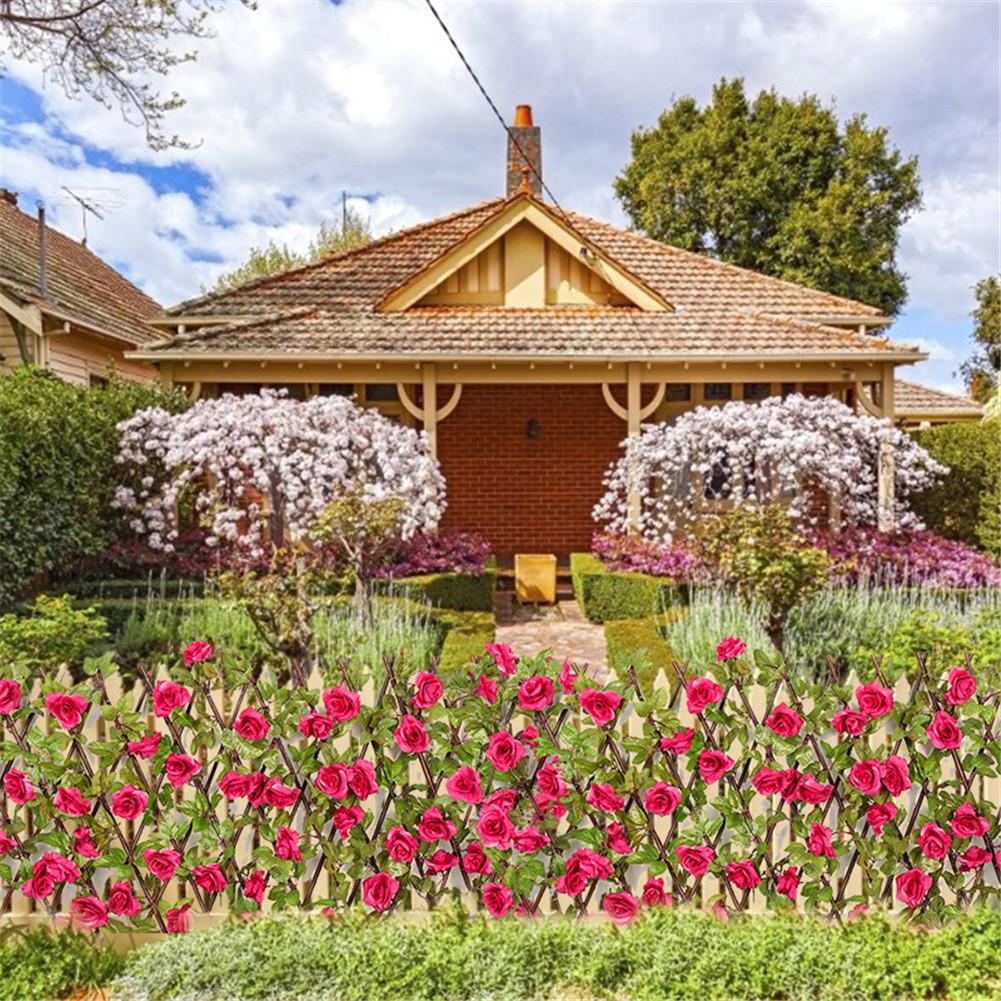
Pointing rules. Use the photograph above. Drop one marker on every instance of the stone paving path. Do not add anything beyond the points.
(562, 628)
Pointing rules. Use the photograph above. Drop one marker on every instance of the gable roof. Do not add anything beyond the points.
(914, 400)
(82, 289)
(335, 306)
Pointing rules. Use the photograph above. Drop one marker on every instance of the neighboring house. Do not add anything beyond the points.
(528, 343)
(922, 406)
(63, 308)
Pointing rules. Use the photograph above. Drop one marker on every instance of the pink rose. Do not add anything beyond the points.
(122, 901)
(346, 818)
(162, 862)
(440, 861)
(234, 785)
(341, 703)
(604, 798)
(89, 912)
(967, 823)
(535, 693)
(168, 696)
(257, 788)
(784, 721)
(68, 709)
(39, 886)
(487, 689)
(788, 883)
(428, 690)
(713, 765)
(742, 874)
(529, 839)
(497, 899)
(434, 826)
(179, 768)
(251, 725)
(895, 775)
(819, 842)
(809, 790)
(503, 798)
(362, 779)
(10, 696)
(623, 908)
(464, 786)
(768, 782)
(702, 692)
(601, 706)
(551, 783)
(494, 827)
(401, 845)
(146, 747)
(209, 878)
(973, 858)
(503, 657)
(944, 732)
(83, 843)
(615, 840)
(178, 920)
(287, 845)
(410, 735)
(70, 801)
(334, 780)
(680, 743)
(962, 687)
(255, 885)
(593, 865)
(315, 724)
(654, 894)
(379, 890)
(934, 841)
(196, 652)
(695, 859)
(129, 803)
(8, 844)
(879, 815)
(60, 868)
(475, 860)
(730, 649)
(913, 887)
(504, 751)
(661, 799)
(866, 776)
(849, 721)
(280, 796)
(568, 678)
(874, 700)
(573, 882)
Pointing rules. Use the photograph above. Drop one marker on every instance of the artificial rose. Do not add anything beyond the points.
(428, 690)
(179, 768)
(346, 818)
(210, 878)
(379, 890)
(973, 858)
(730, 648)
(535, 693)
(784, 721)
(623, 908)
(600, 705)
(550, 781)
(700, 693)
(967, 823)
(251, 725)
(879, 815)
(504, 751)
(934, 841)
(913, 887)
(434, 826)
(60, 868)
(122, 901)
(788, 883)
(316, 725)
(768, 782)
(486, 688)
(866, 776)
(401, 845)
(334, 780)
(819, 842)
(529, 839)
(944, 732)
(895, 775)
(849, 721)
(83, 843)
(287, 845)
(503, 657)
(568, 678)
(604, 798)
(234, 785)
(680, 743)
(440, 861)
(410, 735)
(654, 894)
(178, 920)
(661, 799)
(129, 803)
(168, 696)
(39, 887)
(196, 652)
(361, 779)
(278, 795)
(497, 899)
(89, 912)
(341, 703)
(8, 844)
(742, 874)
(962, 687)
(809, 790)
(695, 859)
(70, 801)
(68, 709)
(713, 765)
(475, 860)
(593, 865)
(255, 885)
(162, 862)
(874, 700)
(494, 827)
(10, 696)
(503, 798)
(146, 747)
(615, 840)
(464, 786)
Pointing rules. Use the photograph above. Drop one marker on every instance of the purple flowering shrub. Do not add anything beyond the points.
(634, 554)
(435, 552)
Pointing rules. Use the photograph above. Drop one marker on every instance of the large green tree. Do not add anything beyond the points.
(981, 371)
(779, 186)
(274, 257)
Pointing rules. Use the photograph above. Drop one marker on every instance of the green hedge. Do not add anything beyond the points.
(966, 505)
(670, 954)
(39, 965)
(605, 595)
(465, 636)
(640, 644)
(462, 592)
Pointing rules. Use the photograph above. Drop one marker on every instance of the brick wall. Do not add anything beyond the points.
(528, 494)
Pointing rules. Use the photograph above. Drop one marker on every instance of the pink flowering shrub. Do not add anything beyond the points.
(631, 553)
(521, 781)
(434, 552)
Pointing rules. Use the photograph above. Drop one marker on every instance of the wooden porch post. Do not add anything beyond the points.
(886, 471)
(429, 385)
(633, 418)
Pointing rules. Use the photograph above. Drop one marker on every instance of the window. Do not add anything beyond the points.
(336, 389)
(678, 392)
(714, 391)
(757, 390)
(381, 392)
(97, 381)
(788, 388)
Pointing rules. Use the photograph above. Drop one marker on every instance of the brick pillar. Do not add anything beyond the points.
(529, 138)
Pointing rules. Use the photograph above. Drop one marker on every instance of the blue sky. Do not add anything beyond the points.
(301, 99)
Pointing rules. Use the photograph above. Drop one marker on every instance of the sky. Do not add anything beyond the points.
(293, 103)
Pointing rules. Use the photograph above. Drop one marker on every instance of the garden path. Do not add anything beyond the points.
(562, 628)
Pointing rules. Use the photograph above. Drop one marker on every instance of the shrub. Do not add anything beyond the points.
(633, 554)
(57, 471)
(461, 591)
(466, 637)
(436, 552)
(605, 595)
(640, 644)
(676, 954)
(40, 965)
(966, 504)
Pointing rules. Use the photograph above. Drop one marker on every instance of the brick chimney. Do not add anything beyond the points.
(8, 196)
(529, 138)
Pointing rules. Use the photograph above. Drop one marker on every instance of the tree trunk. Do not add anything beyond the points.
(363, 599)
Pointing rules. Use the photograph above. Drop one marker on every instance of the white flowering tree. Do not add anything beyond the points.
(261, 471)
(760, 453)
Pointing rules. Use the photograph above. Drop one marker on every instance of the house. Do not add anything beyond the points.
(63, 308)
(922, 406)
(528, 342)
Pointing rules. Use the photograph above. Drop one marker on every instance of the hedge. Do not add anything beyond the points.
(466, 634)
(640, 644)
(607, 595)
(966, 505)
(38, 965)
(462, 592)
(671, 954)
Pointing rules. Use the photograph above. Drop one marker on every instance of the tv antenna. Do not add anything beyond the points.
(85, 206)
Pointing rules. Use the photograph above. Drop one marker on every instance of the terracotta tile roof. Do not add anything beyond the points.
(81, 287)
(911, 398)
(332, 306)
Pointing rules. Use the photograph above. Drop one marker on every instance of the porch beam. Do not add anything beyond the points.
(886, 483)
(429, 385)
